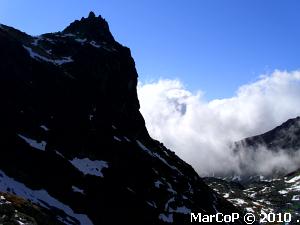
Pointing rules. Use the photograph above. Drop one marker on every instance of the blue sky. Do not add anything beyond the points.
(212, 45)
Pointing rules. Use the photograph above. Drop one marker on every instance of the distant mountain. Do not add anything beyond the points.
(282, 141)
(284, 137)
(74, 143)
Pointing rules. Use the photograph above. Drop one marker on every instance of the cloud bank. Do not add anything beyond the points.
(201, 131)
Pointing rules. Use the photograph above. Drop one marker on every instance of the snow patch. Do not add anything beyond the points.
(293, 180)
(81, 41)
(94, 44)
(36, 40)
(33, 143)
(170, 189)
(127, 139)
(237, 201)
(265, 189)
(64, 60)
(154, 154)
(42, 198)
(20, 223)
(296, 198)
(152, 204)
(283, 192)
(295, 187)
(226, 195)
(91, 167)
(129, 189)
(3, 200)
(249, 210)
(58, 153)
(69, 35)
(167, 207)
(182, 210)
(39, 57)
(44, 128)
(166, 218)
(158, 183)
(116, 138)
(78, 190)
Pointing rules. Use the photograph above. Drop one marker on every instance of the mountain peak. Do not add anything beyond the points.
(71, 101)
(92, 15)
(92, 27)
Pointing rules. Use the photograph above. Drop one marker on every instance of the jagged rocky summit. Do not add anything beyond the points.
(74, 142)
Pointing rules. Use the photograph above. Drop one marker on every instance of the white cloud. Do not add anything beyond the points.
(200, 131)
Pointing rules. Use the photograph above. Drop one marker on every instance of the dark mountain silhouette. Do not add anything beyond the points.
(73, 140)
(284, 137)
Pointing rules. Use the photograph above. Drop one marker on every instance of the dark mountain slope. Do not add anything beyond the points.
(73, 140)
(286, 136)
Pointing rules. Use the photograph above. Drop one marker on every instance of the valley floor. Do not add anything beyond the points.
(263, 196)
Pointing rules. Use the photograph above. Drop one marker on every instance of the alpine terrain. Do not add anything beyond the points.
(74, 146)
(276, 193)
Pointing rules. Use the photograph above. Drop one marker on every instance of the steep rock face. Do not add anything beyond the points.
(73, 140)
